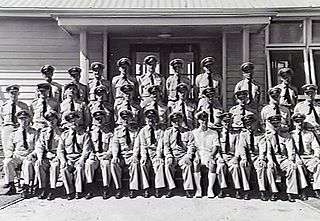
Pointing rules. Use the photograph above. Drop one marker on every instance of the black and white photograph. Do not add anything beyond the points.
(151, 110)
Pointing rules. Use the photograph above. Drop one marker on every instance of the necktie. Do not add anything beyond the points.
(211, 118)
(287, 94)
(277, 144)
(100, 148)
(24, 137)
(277, 109)
(44, 107)
(210, 83)
(227, 141)
(151, 79)
(155, 104)
(74, 142)
(128, 138)
(98, 83)
(300, 142)
(251, 141)
(178, 138)
(178, 79)
(72, 108)
(153, 136)
(50, 91)
(13, 112)
(313, 110)
(250, 89)
(243, 110)
(128, 106)
(50, 139)
(184, 115)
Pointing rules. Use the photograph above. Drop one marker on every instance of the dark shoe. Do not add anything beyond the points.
(78, 196)
(246, 196)
(89, 195)
(157, 193)
(12, 189)
(50, 196)
(317, 194)
(263, 196)
(221, 194)
(131, 194)
(70, 196)
(303, 196)
(42, 194)
(25, 192)
(273, 197)
(169, 194)
(105, 194)
(290, 198)
(188, 194)
(238, 195)
(146, 194)
(118, 194)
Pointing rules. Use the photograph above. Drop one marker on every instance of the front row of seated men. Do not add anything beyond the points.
(249, 157)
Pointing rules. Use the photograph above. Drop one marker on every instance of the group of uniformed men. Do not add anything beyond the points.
(148, 125)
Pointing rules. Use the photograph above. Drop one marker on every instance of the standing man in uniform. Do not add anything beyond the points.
(209, 79)
(48, 164)
(150, 78)
(125, 150)
(185, 106)
(175, 79)
(55, 89)
(41, 105)
(97, 69)
(178, 151)
(208, 151)
(20, 153)
(151, 152)
(310, 108)
(249, 84)
(124, 78)
(75, 74)
(101, 135)
(73, 150)
(8, 113)
(289, 93)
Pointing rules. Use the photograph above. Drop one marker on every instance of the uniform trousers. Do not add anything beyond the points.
(309, 164)
(27, 169)
(282, 164)
(170, 170)
(233, 168)
(5, 134)
(158, 168)
(93, 163)
(48, 167)
(73, 176)
(117, 169)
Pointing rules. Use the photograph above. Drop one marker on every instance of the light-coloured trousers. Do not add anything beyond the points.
(73, 176)
(5, 134)
(158, 168)
(48, 169)
(92, 164)
(27, 169)
(311, 164)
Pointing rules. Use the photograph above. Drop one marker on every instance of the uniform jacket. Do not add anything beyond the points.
(6, 112)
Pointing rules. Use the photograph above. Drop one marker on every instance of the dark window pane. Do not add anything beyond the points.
(316, 58)
(316, 31)
(286, 32)
(292, 59)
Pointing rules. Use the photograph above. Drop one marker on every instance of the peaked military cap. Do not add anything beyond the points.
(98, 112)
(209, 92)
(127, 88)
(96, 66)
(23, 113)
(182, 87)
(249, 117)
(47, 68)
(274, 90)
(123, 61)
(202, 115)
(298, 117)
(285, 72)
(175, 115)
(274, 117)
(309, 87)
(51, 114)
(12, 87)
(150, 113)
(154, 89)
(207, 60)
(100, 89)
(125, 114)
(224, 115)
(74, 70)
(176, 61)
(150, 59)
(43, 87)
(69, 115)
(247, 67)
(241, 92)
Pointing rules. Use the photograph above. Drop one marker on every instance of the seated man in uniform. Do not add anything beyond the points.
(125, 150)
(101, 155)
(178, 151)
(151, 152)
(48, 162)
(208, 151)
(20, 153)
(73, 150)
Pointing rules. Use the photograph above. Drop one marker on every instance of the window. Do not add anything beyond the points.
(286, 32)
(316, 31)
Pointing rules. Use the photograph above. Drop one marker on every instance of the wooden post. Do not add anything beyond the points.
(84, 61)
(106, 54)
(245, 44)
(224, 70)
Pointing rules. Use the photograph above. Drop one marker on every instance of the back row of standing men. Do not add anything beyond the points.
(234, 141)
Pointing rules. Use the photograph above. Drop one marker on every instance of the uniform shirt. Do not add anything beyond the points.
(189, 111)
(270, 109)
(83, 91)
(120, 145)
(102, 149)
(206, 142)
(119, 81)
(55, 91)
(244, 85)
(94, 83)
(151, 147)
(202, 83)
(269, 147)
(309, 145)
(6, 114)
(292, 95)
(228, 140)
(18, 146)
(206, 105)
(248, 143)
(145, 81)
(303, 107)
(171, 85)
(79, 107)
(37, 108)
(173, 147)
(74, 145)
(162, 109)
(238, 111)
(47, 142)
(122, 104)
